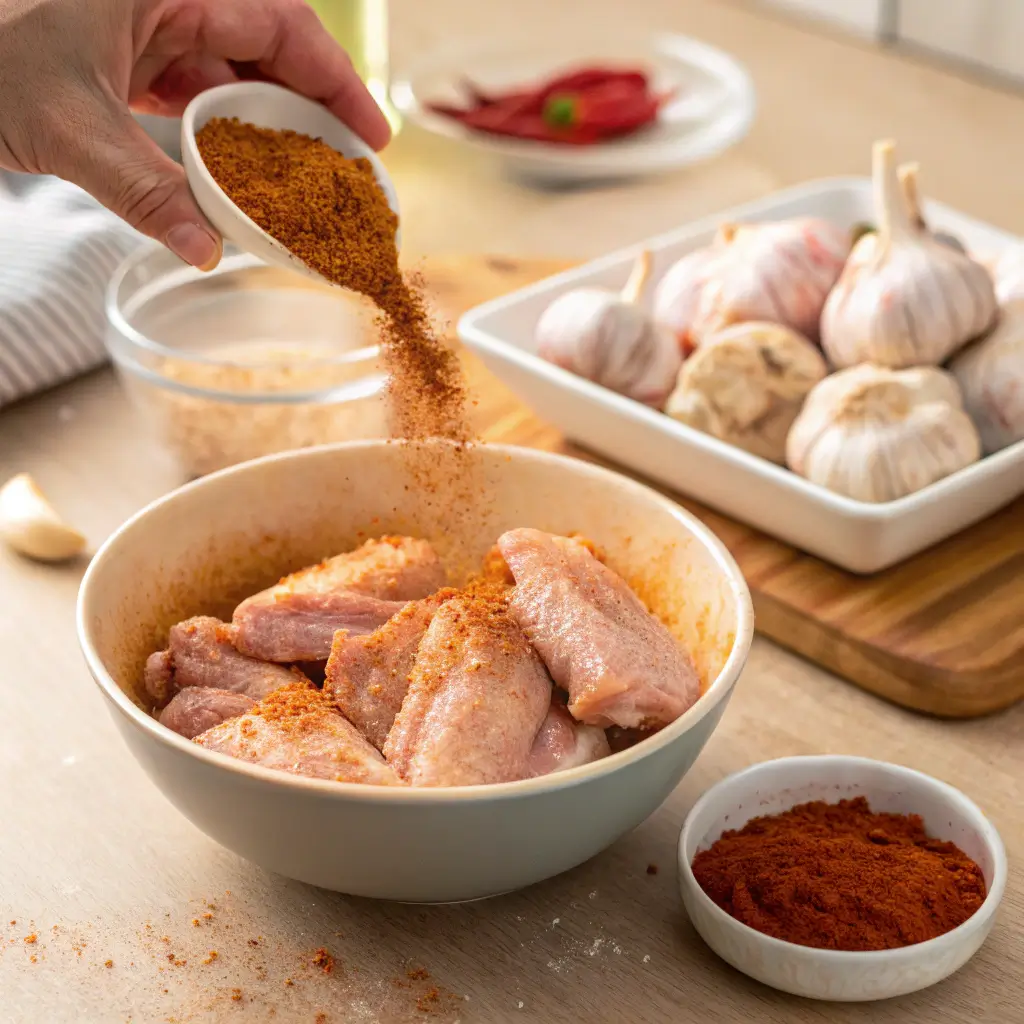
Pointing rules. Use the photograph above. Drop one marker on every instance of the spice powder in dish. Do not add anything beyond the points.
(839, 876)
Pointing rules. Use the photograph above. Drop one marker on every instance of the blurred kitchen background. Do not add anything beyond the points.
(831, 77)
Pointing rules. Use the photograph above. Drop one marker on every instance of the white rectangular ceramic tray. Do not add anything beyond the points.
(858, 536)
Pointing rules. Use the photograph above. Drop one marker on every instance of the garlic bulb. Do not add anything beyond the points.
(606, 337)
(904, 298)
(907, 174)
(677, 296)
(877, 434)
(991, 376)
(746, 386)
(1007, 270)
(780, 272)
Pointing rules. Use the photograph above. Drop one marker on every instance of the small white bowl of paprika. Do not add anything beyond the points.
(767, 878)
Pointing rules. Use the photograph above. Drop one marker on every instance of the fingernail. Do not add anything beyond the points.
(194, 245)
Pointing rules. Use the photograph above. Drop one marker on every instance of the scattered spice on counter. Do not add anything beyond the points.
(418, 973)
(211, 956)
(236, 995)
(840, 876)
(108, 963)
(31, 939)
(652, 869)
(323, 960)
(577, 108)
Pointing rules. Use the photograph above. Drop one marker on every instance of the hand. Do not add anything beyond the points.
(71, 70)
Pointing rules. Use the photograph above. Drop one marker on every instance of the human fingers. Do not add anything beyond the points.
(123, 168)
(287, 43)
(172, 88)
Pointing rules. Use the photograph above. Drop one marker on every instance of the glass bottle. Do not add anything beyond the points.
(361, 27)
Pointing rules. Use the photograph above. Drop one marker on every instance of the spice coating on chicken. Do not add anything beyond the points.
(368, 676)
(358, 591)
(200, 653)
(298, 730)
(477, 696)
(619, 664)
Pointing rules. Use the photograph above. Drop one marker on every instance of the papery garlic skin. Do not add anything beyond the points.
(595, 334)
(904, 298)
(677, 297)
(1007, 271)
(875, 434)
(991, 375)
(777, 272)
(746, 385)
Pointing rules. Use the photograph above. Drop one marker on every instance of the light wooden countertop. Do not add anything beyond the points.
(97, 866)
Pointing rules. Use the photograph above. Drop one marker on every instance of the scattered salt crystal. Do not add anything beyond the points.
(520, 1004)
(593, 894)
(647, 959)
(555, 922)
(618, 950)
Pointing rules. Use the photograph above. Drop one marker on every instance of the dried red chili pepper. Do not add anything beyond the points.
(576, 108)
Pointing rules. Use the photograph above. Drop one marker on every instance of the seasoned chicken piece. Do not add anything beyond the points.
(619, 663)
(477, 696)
(195, 709)
(565, 743)
(200, 653)
(368, 676)
(297, 729)
(358, 591)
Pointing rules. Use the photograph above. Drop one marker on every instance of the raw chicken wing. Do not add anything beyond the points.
(357, 591)
(565, 743)
(619, 663)
(298, 730)
(195, 709)
(477, 696)
(200, 653)
(368, 676)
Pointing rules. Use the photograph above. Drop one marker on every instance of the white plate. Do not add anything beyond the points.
(714, 109)
(856, 535)
(775, 786)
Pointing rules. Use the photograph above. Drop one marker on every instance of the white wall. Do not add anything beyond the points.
(859, 15)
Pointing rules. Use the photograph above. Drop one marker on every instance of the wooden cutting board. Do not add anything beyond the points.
(941, 633)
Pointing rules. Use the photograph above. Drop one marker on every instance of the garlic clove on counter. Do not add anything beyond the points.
(607, 338)
(904, 298)
(779, 272)
(30, 525)
(746, 385)
(991, 375)
(876, 434)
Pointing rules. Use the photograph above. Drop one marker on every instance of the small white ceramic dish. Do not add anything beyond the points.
(203, 547)
(266, 106)
(856, 535)
(776, 786)
(713, 110)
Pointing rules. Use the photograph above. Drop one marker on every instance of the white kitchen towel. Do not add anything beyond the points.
(58, 248)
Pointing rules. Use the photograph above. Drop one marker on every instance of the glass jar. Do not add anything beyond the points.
(244, 361)
(361, 27)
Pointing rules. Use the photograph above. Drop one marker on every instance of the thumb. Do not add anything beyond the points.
(125, 170)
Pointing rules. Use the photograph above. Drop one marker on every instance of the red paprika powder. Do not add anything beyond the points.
(839, 876)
